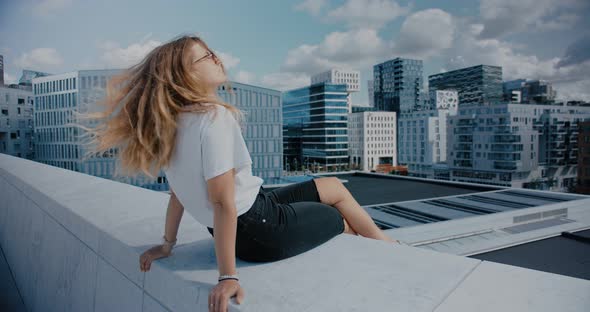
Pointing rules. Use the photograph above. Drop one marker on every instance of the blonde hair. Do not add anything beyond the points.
(142, 104)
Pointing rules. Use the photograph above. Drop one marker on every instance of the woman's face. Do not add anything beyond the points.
(207, 68)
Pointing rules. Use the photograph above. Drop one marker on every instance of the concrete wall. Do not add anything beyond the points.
(73, 243)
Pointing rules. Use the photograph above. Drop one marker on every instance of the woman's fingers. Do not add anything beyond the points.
(145, 263)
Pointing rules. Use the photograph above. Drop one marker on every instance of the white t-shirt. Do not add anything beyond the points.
(207, 146)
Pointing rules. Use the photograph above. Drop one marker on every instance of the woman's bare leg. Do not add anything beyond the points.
(334, 193)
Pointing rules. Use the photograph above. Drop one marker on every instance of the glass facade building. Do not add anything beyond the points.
(315, 131)
(397, 85)
(480, 84)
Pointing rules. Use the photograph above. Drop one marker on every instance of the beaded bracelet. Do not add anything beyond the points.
(224, 277)
(167, 242)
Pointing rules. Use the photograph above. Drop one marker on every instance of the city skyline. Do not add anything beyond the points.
(308, 37)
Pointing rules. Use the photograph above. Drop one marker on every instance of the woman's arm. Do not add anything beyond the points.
(173, 217)
(221, 195)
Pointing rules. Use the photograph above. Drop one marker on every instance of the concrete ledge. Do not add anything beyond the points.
(73, 242)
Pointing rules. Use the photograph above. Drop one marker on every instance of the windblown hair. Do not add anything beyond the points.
(142, 104)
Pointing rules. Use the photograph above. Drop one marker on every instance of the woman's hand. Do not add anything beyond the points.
(156, 252)
(222, 292)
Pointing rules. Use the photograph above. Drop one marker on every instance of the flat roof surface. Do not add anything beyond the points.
(561, 255)
(371, 189)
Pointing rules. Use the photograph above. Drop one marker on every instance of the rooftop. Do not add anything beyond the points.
(90, 232)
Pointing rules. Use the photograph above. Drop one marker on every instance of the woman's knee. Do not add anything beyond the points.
(329, 189)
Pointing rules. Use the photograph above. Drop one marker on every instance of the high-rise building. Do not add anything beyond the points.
(1, 70)
(529, 92)
(371, 93)
(481, 84)
(57, 97)
(351, 78)
(423, 135)
(515, 145)
(315, 127)
(16, 122)
(583, 183)
(397, 85)
(371, 139)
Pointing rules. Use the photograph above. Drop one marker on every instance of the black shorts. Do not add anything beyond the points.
(285, 222)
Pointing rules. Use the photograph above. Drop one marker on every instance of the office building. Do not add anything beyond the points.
(423, 136)
(351, 78)
(16, 122)
(481, 84)
(529, 92)
(515, 145)
(583, 182)
(372, 139)
(398, 85)
(315, 131)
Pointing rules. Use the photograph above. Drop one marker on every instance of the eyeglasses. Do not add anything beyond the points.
(208, 55)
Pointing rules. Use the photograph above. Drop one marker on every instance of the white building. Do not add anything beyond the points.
(516, 145)
(338, 76)
(423, 135)
(372, 139)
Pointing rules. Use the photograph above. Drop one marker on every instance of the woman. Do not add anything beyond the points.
(171, 118)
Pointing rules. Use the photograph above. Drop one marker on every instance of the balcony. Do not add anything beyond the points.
(463, 130)
(557, 146)
(465, 138)
(505, 165)
(463, 155)
(503, 129)
(505, 138)
(463, 147)
(556, 162)
(463, 163)
(504, 156)
(506, 148)
(557, 137)
(556, 154)
(465, 123)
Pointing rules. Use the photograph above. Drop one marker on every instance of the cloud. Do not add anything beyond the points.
(49, 7)
(313, 7)
(245, 77)
(577, 52)
(502, 17)
(283, 81)
(114, 56)
(367, 13)
(351, 49)
(577, 90)
(469, 49)
(229, 61)
(424, 34)
(9, 79)
(561, 22)
(41, 59)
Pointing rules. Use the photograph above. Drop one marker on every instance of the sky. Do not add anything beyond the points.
(280, 44)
